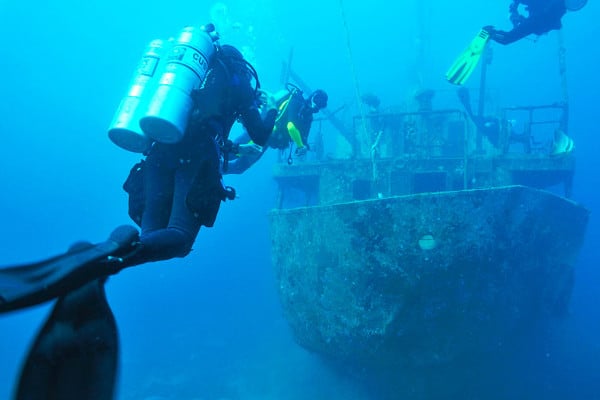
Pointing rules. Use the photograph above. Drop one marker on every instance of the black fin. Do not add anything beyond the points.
(31, 284)
(75, 355)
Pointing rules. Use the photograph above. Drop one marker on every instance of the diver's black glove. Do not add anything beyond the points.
(489, 29)
(494, 33)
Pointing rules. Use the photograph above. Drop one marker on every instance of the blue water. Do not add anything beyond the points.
(210, 326)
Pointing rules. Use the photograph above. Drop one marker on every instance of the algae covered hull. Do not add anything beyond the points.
(420, 280)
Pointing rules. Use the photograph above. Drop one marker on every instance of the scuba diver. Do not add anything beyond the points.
(174, 191)
(181, 183)
(543, 17)
(492, 127)
(291, 128)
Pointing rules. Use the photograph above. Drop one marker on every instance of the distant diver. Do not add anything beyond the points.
(291, 128)
(542, 17)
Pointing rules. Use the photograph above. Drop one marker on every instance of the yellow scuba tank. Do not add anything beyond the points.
(185, 68)
(124, 129)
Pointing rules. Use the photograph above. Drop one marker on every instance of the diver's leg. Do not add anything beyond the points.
(164, 184)
(203, 172)
(184, 225)
(159, 181)
(203, 193)
(159, 242)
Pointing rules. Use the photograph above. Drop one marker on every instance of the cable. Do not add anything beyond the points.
(353, 66)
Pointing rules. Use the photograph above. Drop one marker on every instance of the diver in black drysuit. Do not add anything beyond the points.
(173, 192)
(182, 183)
(544, 16)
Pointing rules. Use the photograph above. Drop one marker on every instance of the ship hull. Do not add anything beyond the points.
(424, 280)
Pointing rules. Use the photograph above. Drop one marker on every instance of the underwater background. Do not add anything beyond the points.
(210, 326)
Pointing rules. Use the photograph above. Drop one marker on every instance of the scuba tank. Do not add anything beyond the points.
(124, 129)
(186, 65)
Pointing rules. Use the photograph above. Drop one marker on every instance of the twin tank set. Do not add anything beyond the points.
(158, 103)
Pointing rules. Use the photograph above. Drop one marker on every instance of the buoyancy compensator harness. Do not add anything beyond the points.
(234, 69)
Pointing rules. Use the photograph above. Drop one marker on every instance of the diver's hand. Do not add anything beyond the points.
(267, 105)
(249, 149)
(489, 29)
(267, 100)
(270, 103)
(262, 96)
(492, 31)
